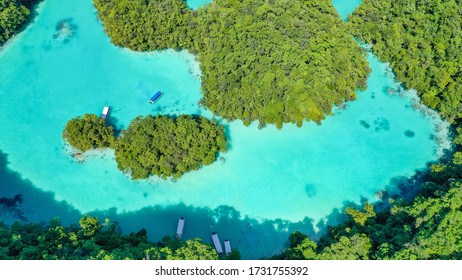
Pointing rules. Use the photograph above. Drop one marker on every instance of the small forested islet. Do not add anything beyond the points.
(88, 132)
(168, 147)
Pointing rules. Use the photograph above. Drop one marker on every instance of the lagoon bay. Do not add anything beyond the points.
(271, 181)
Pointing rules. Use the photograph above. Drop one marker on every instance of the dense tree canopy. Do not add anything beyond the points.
(276, 61)
(92, 239)
(270, 60)
(146, 24)
(168, 146)
(13, 15)
(422, 40)
(88, 132)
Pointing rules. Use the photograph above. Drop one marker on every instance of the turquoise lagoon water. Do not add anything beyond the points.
(194, 4)
(270, 183)
(345, 7)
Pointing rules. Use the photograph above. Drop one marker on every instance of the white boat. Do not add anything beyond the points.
(105, 112)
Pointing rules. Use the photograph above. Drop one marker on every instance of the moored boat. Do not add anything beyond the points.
(155, 97)
(180, 227)
(216, 243)
(227, 247)
(105, 112)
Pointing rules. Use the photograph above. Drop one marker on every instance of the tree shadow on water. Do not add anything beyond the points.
(253, 238)
(404, 188)
(20, 200)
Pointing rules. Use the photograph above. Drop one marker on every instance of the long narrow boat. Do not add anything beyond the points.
(216, 243)
(180, 227)
(227, 247)
(155, 97)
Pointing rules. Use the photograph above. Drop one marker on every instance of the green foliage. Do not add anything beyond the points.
(458, 138)
(275, 61)
(89, 225)
(88, 132)
(356, 247)
(92, 240)
(438, 223)
(359, 216)
(305, 250)
(458, 141)
(458, 158)
(167, 146)
(14, 14)
(162, 145)
(296, 238)
(422, 40)
(234, 255)
(146, 24)
(193, 250)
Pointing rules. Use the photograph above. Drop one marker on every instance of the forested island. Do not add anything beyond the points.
(271, 61)
(14, 15)
(89, 132)
(166, 146)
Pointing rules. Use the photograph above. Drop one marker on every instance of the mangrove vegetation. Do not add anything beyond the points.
(88, 132)
(14, 15)
(422, 40)
(143, 25)
(167, 146)
(275, 61)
